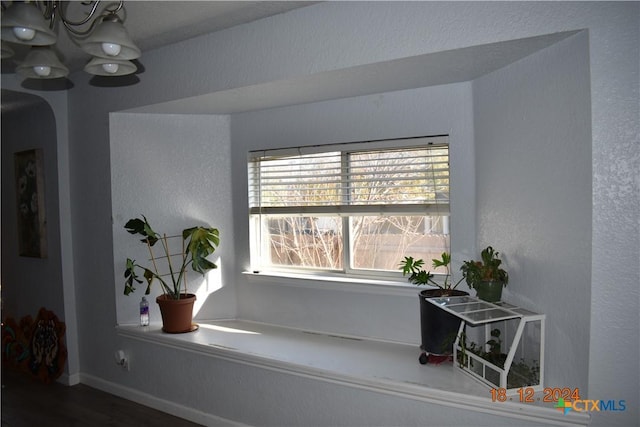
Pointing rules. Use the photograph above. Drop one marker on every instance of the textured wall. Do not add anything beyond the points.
(533, 168)
(263, 397)
(174, 170)
(419, 112)
(338, 35)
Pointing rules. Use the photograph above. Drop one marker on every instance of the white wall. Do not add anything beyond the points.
(533, 168)
(262, 397)
(336, 35)
(175, 171)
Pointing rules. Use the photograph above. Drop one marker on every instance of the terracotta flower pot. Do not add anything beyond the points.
(177, 314)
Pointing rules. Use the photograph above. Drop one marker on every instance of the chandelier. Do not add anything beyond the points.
(100, 33)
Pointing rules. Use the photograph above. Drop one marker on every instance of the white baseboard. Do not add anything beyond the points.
(166, 406)
(67, 379)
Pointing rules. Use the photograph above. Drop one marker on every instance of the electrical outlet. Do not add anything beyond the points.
(122, 359)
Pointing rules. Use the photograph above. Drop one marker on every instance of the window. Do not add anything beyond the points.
(355, 208)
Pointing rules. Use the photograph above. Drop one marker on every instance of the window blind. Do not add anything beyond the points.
(349, 180)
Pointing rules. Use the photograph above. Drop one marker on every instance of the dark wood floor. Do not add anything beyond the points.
(28, 403)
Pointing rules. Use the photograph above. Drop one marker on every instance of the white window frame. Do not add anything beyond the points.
(438, 209)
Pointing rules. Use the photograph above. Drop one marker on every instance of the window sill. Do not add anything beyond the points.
(338, 283)
(382, 367)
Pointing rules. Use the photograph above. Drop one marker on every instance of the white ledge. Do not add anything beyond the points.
(335, 283)
(383, 367)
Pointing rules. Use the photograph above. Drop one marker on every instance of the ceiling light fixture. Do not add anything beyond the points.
(101, 34)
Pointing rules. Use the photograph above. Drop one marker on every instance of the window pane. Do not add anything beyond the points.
(399, 176)
(311, 242)
(311, 180)
(381, 242)
(392, 194)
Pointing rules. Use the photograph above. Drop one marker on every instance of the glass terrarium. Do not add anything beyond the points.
(499, 344)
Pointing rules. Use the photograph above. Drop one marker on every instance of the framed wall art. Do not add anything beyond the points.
(32, 233)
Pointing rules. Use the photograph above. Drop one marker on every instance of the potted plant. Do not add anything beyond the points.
(487, 276)
(520, 373)
(438, 328)
(419, 276)
(197, 244)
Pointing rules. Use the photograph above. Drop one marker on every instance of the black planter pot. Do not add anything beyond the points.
(438, 328)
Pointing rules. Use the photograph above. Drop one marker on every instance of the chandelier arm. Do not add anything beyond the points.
(71, 29)
(67, 22)
(48, 10)
(69, 25)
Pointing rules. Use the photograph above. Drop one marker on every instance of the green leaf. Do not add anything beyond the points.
(130, 276)
(421, 277)
(203, 265)
(406, 265)
(446, 259)
(411, 266)
(142, 227)
(135, 226)
(128, 289)
(202, 243)
(149, 276)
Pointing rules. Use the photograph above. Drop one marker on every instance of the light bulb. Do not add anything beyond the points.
(111, 49)
(24, 33)
(42, 70)
(110, 68)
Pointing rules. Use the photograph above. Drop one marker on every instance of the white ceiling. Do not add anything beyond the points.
(152, 24)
